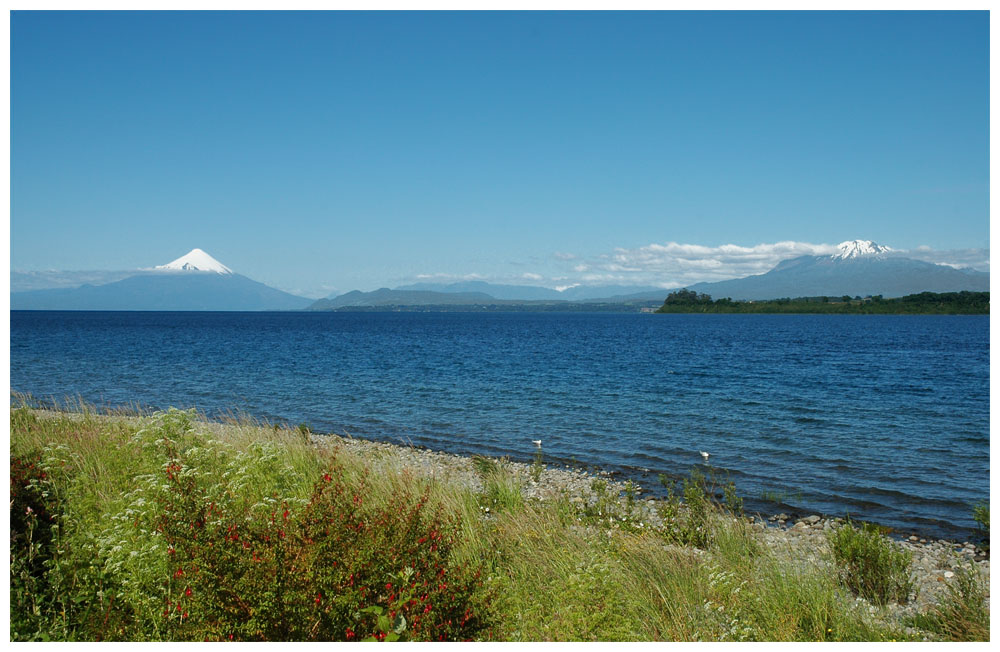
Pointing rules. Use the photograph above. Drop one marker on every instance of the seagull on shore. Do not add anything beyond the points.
(537, 442)
(704, 456)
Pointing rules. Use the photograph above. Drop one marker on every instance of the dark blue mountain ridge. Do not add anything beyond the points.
(387, 297)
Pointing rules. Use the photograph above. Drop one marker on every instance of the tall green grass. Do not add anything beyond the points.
(167, 527)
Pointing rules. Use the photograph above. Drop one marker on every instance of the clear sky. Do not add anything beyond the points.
(324, 152)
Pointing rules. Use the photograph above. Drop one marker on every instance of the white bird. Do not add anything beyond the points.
(537, 442)
(704, 455)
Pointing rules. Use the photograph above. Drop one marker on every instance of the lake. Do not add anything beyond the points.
(882, 417)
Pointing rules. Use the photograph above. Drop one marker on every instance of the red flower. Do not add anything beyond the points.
(350, 633)
(319, 596)
(326, 477)
(187, 591)
(180, 571)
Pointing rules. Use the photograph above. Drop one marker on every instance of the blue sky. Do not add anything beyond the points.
(324, 152)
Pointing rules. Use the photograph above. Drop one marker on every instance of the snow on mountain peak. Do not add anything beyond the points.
(196, 260)
(858, 248)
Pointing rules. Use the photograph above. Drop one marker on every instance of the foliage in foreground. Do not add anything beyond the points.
(167, 528)
(210, 542)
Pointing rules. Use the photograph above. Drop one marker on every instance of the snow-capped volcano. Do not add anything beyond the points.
(859, 268)
(195, 281)
(858, 248)
(196, 260)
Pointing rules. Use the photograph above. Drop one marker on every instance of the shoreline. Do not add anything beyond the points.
(558, 475)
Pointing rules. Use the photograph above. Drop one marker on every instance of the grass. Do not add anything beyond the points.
(964, 615)
(501, 489)
(165, 527)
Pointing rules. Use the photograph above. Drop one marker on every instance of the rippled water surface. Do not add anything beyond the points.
(884, 417)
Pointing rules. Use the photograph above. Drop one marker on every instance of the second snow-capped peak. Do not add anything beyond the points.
(858, 248)
(195, 260)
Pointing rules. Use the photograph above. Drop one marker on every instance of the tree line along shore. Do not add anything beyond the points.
(171, 527)
(924, 303)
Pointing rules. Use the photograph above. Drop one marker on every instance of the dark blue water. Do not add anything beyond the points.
(884, 417)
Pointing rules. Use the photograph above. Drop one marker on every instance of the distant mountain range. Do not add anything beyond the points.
(387, 297)
(536, 293)
(196, 281)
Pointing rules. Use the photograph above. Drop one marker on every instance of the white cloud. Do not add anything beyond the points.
(562, 255)
(446, 278)
(531, 276)
(674, 264)
(957, 258)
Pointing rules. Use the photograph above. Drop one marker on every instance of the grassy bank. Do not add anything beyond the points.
(170, 528)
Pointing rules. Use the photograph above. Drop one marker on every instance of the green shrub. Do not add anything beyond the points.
(537, 466)
(734, 502)
(340, 567)
(630, 491)
(981, 514)
(687, 522)
(33, 515)
(871, 565)
(484, 466)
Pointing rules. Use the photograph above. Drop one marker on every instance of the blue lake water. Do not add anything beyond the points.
(882, 417)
